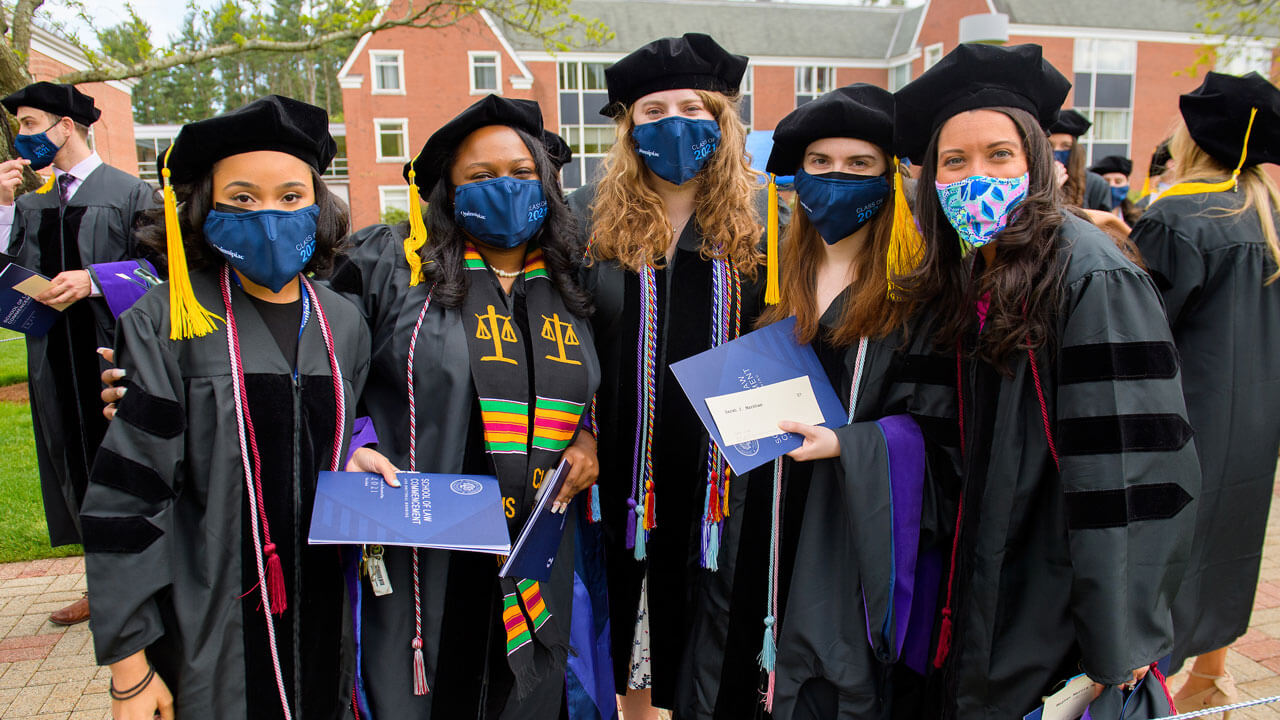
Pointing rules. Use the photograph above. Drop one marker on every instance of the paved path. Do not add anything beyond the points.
(48, 672)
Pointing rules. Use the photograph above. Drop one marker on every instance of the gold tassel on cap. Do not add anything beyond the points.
(47, 186)
(772, 294)
(417, 229)
(906, 246)
(1195, 188)
(187, 318)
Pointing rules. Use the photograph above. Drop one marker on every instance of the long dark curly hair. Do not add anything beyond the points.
(1023, 283)
(442, 255)
(195, 200)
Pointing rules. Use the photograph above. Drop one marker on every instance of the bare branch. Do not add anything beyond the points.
(435, 14)
(22, 15)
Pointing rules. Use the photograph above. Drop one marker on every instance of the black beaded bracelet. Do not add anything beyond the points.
(134, 691)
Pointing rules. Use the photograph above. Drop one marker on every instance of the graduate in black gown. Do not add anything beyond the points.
(673, 225)
(867, 521)
(1081, 186)
(241, 378)
(1074, 520)
(482, 363)
(1211, 245)
(77, 230)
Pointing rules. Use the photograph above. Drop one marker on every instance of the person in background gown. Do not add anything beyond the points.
(1211, 246)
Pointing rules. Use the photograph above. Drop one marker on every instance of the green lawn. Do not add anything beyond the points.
(23, 535)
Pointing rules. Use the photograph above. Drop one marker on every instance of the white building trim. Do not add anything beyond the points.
(756, 60)
(1153, 36)
(61, 51)
(524, 80)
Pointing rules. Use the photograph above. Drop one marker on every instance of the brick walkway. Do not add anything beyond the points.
(48, 672)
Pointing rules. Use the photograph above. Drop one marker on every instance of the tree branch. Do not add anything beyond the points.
(434, 15)
(23, 12)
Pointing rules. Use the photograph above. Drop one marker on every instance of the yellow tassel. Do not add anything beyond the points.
(772, 293)
(187, 317)
(1195, 188)
(906, 246)
(417, 230)
(47, 186)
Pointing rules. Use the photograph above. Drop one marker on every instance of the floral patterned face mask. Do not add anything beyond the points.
(979, 207)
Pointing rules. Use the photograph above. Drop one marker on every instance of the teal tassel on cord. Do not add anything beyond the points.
(640, 553)
(713, 545)
(769, 649)
(594, 515)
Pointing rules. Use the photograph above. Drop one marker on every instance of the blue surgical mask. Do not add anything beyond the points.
(502, 212)
(1062, 155)
(1118, 195)
(675, 148)
(37, 148)
(979, 207)
(270, 247)
(839, 203)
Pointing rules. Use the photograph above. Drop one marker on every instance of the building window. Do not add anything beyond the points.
(1237, 59)
(582, 94)
(485, 73)
(393, 203)
(932, 54)
(899, 76)
(387, 67)
(393, 140)
(812, 82)
(1104, 71)
(149, 151)
(746, 91)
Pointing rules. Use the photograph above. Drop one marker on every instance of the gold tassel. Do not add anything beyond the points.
(47, 186)
(1146, 188)
(1195, 188)
(417, 230)
(906, 246)
(772, 294)
(187, 317)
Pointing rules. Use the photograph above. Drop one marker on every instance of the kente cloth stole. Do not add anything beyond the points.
(529, 416)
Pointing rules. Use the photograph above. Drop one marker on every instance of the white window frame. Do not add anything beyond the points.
(896, 83)
(1084, 60)
(812, 72)
(747, 90)
(377, 140)
(932, 54)
(374, 74)
(385, 190)
(472, 56)
(579, 72)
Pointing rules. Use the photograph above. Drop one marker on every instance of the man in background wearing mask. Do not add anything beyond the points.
(69, 230)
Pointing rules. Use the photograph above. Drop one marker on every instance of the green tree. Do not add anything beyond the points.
(1228, 22)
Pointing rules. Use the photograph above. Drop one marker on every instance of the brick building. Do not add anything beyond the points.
(112, 136)
(1127, 60)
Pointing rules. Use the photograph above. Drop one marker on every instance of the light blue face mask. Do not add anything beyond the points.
(979, 207)
(270, 247)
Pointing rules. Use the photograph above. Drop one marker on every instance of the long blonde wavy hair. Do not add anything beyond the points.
(629, 222)
(1192, 163)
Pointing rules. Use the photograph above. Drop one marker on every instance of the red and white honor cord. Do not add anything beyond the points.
(419, 663)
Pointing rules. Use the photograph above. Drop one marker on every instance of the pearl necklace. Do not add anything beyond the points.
(506, 273)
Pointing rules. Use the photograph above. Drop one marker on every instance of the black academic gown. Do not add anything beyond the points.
(678, 585)
(1212, 271)
(463, 636)
(63, 367)
(852, 613)
(169, 550)
(1066, 571)
(1097, 192)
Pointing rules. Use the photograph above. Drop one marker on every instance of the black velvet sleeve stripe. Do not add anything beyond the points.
(1109, 434)
(118, 534)
(150, 414)
(1093, 509)
(346, 277)
(928, 370)
(1118, 361)
(117, 471)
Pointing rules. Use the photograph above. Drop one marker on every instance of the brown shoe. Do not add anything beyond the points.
(76, 612)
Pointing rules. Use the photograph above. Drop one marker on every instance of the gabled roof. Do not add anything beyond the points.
(1179, 16)
(766, 29)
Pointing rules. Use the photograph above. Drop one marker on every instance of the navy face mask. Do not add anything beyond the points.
(1118, 195)
(1062, 155)
(675, 148)
(37, 148)
(501, 212)
(270, 247)
(839, 203)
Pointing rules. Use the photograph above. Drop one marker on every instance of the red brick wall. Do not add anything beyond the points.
(773, 95)
(849, 76)
(113, 133)
(942, 24)
(436, 89)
